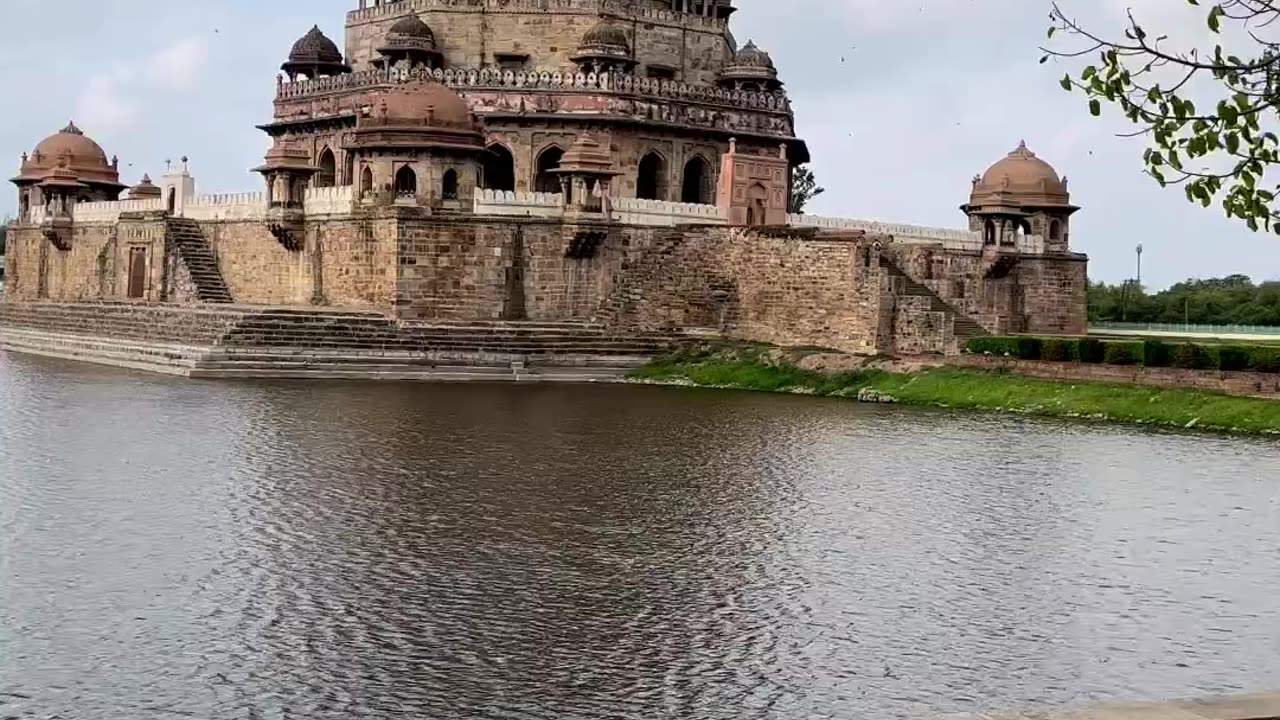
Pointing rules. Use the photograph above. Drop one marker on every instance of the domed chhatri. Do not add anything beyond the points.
(314, 55)
(412, 40)
(751, 69)
(605, 48)
(144, 190)
(1020, 193)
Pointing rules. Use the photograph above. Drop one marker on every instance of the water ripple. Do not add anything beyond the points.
(177, 549)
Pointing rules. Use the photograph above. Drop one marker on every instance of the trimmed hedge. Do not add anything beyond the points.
(1123, 353)
(1151, 353)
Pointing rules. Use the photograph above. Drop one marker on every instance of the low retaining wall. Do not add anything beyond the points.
(1242, 383)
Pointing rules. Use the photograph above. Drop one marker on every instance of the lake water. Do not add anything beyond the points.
(260, 550)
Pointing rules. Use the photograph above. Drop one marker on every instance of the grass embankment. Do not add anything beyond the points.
(748, 368)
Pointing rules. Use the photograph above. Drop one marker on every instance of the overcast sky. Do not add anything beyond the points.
(901, 101)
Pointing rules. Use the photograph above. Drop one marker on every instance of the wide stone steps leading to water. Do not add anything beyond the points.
(319, 343)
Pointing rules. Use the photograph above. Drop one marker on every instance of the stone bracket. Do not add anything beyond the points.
(59, 233)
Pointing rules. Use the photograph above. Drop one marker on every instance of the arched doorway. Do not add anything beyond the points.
(328, 175)
(651, 178)
(406, 181)
(171, 202)
(546, 181)
(757, 204)
(349, 170)
(989, 233)
(499, 168)
(696, 186)
(366, 180)
(449, 185)
(1055, 230)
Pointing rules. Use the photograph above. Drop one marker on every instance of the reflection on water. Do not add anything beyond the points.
(174, 548)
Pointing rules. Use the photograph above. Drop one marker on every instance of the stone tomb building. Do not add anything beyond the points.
(621, 163)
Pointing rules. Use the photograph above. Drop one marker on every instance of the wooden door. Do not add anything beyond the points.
(137, 272)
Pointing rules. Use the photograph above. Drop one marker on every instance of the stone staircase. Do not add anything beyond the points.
(965, 327)
(198, 256)
(254, 342)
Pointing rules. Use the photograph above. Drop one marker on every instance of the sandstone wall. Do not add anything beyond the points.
(695, 48)
(1032, 294)
(255, 266)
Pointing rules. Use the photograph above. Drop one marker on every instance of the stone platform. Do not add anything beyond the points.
(308, 343)
(1260, 706)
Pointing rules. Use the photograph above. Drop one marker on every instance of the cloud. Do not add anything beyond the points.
(103, 104)
(112, 101)
(180, 66)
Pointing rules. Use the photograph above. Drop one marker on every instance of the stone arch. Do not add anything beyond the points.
(349, 169)
(366, 179)
(696, 184)
(171, 202)
(1055, 230)
(498, 166)
(328, 175)
(544, 180)
(989, 232)
(757, 204)
(651, 177)
(449, 185)
(406, 181)
(24, 205)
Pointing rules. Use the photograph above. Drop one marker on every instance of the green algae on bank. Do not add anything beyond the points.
(752, 368)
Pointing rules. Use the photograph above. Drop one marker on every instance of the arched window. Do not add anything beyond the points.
(499, 168)
(349, 170)
(366, 180)
(989, 233)
(696, 188)
(406, 181)
(545, 180)
(327, 177)
(1055, 230)
(652, 178)
(171, 201)
(449, 185)
(24, 207)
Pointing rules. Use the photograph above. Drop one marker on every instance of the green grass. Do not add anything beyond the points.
(749, 368)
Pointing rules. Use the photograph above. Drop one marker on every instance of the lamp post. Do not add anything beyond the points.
(1139, 251)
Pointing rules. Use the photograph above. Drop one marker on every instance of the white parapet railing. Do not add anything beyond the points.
(634, 211)
(523, 204)
(329, 200)
(949, 238)
(37, 215)
(109, 211)
(227, 206)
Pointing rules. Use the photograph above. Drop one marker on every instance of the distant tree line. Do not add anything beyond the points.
(1232, 300)
(4, 227)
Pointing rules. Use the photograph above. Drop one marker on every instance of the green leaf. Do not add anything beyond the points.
(1066, 83)
(1233, 143)
(1214, 16)
(1095, 107)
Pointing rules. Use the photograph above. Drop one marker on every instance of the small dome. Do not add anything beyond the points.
(144, 190)
(315, 47)
(587, 156)
(606, 34)
(410, 33)
(1022, 169)
(752, 56)
(1020, 179)
(425, 102)
(751, 64)
(72, 152)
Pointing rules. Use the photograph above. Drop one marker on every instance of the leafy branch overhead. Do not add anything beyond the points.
(1209, 112)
